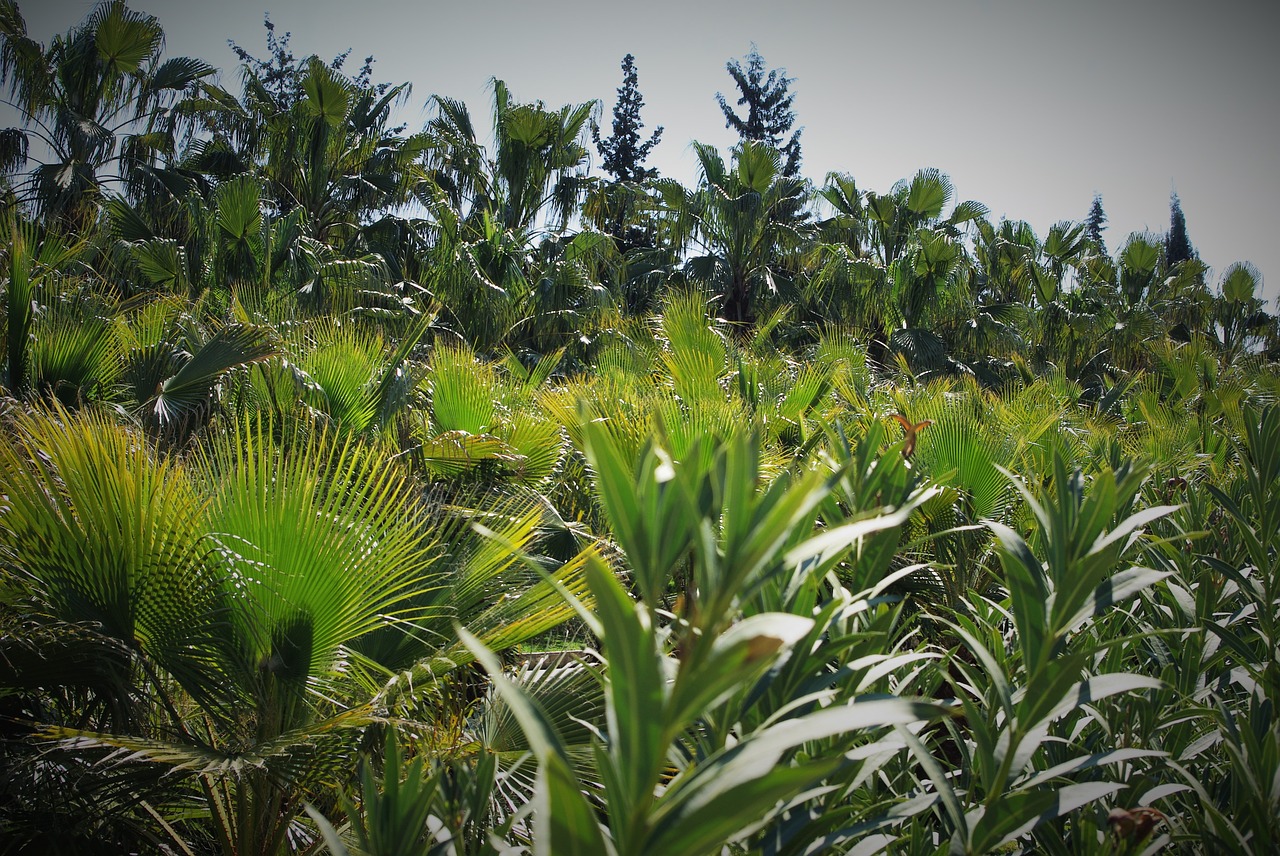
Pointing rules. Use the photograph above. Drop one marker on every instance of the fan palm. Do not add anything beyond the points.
(913, 272)
(232, 586)
(323, 147)
(98, 99)
(535, 168)
(1237, 310)
(745, 218)
(36, 261)
(232, 623)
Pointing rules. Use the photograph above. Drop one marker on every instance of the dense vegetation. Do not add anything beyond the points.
(872, 525)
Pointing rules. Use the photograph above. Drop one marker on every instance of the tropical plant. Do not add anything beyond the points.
(97, 101)
(745, 218)
(323, 145)
(1040, 680)
(241, 606)
(676, 775)
(359, 490)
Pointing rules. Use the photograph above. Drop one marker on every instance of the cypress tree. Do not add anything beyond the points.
(1177, 246)
(1095, 223)
(769, 112)
(622, 154)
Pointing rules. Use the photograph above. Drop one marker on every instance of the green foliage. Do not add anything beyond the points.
(769, 112)
(622, 154)
(1094, 223)
(745, 217)
(99, 100)
(1177, 246)
(654, 699)
(859, 523)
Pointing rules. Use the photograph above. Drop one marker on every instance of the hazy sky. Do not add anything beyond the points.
(1030, 107)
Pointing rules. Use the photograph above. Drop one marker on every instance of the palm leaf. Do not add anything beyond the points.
(236, 204)
(180, 72)
(19, 296)
(453, 453)
(461, 391)
(961, 451)
(189, 390)
(321, 537)
(695, 353)
(107, 533)
(163, 262)
(539, 442)
(76, 351)
(340, 373)
(125, 38)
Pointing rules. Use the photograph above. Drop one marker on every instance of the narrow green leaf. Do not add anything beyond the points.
(1091, 690)
(1015, 815)
(1112, 591)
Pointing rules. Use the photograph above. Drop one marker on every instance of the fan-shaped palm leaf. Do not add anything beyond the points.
(103, 531)
(75, 353)
(185, 394)
(461, 391)
(322, 542)
(695, 353)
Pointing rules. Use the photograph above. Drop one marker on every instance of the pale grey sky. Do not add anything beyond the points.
(1030, 107)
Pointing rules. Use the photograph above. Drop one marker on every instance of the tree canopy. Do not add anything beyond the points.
(622, 153)
(1094, 223)
(1177, 245)
(768, 102)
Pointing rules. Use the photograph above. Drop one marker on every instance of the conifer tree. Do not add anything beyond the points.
(623, 154)
(769, 112)
(1095, 223)
(1177, 246)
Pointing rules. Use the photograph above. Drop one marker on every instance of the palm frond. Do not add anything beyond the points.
(105, 532)
(696, 354)
(321, 541)
(461, 391)
(190, 390)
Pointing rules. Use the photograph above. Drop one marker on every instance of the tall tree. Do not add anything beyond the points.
(623, 154)
(1095, 223)
(97, 99)
(324, 144)
(620, 207)
(769, 112)
(1177, 246)
(537, 168)
(743, 223)
(499, 250)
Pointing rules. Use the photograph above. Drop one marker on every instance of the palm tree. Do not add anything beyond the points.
(536, 168)
(99, 100)
(1004, 257)
(499, 256)
(894, 217)
(324, 146)
(232, 621)
(917, 248)
(745, 219)
(1237, 312)
(909, 267)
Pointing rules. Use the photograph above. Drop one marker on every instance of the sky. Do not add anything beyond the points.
(1030, 106)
